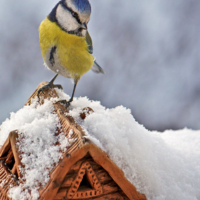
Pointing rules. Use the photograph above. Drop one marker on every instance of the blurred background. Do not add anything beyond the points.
(150, 51)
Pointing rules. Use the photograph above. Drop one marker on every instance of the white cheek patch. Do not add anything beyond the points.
(83, 32)
(66, 20)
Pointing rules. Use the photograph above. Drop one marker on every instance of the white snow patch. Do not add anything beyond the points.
(163, 166)
(37, 126)
(66, 141)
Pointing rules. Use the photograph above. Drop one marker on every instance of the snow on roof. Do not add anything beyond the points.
(160, 165)
(36, 125)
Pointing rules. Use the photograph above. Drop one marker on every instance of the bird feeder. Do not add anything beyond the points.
(84, 172)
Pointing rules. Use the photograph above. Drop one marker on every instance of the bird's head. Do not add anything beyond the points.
(72, 16)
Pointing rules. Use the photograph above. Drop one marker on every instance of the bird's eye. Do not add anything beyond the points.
(75, 15)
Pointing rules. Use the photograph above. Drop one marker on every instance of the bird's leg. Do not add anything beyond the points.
(67, 103)
(49, 85)
(75, 83)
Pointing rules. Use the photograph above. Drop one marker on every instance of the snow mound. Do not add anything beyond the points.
(37, 127)
(163, 166)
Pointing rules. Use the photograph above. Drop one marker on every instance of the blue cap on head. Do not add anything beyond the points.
(83, 6)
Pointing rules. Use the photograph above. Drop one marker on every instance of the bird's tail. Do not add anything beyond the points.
(96, 68)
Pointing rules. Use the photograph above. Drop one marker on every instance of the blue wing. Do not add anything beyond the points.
(96, 67)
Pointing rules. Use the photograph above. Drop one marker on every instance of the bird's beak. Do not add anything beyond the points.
(84, 26)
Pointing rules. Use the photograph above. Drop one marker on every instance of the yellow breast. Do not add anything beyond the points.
(72, 50)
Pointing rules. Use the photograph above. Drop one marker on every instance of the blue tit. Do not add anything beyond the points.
(65, 43)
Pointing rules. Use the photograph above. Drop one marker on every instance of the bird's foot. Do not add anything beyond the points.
(65, 103)
(50, 85)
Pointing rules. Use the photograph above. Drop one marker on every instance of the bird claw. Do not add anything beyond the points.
(58, 86)
(45, 87)
(65, 103)
(48, 86)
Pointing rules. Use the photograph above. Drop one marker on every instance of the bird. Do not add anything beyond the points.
(65, 43)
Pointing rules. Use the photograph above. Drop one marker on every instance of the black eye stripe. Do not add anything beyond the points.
(74, 14)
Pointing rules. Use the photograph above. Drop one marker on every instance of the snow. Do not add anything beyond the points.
(37, 127)
(162, 165)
